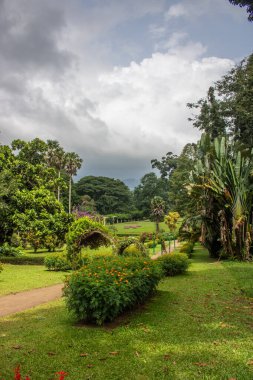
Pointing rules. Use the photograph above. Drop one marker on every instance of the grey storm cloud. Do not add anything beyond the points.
(29, 33)
(59, 79)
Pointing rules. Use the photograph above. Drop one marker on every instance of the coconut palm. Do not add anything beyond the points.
(72, 163)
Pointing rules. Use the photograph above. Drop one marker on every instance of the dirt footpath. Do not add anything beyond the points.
(14, 303)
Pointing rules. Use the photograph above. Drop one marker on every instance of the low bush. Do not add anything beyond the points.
(187, 248)
(6, 250)
(23, 260)
(57, 262)
(136, 248)
(174, 263)
(102, 290)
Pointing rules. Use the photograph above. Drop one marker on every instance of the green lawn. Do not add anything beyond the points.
(138, 227)
(197, 326)
(15, 278)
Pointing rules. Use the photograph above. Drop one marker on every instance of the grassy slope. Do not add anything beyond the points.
(15, 278)
(198, 326)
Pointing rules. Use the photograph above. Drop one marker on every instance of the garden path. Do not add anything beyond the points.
(171, 250)
(14, 303)
(17, 302)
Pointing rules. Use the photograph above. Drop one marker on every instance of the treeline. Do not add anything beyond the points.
(211, 182)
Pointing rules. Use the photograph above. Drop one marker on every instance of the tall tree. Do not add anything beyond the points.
(55, 157)
(157, 211)
(149, 187)
(72, 163)
(110, 195)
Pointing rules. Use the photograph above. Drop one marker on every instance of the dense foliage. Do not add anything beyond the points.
(108, 194)
(85, 232)
(104, 289)
(174, 263)
(32, 177)
(131, 247)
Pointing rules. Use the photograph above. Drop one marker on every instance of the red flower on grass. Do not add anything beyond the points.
(62, 375)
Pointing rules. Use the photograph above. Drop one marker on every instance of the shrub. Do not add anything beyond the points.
(8, 250)
(57, 262)
(174, 263)
(187, 248)
(23, 260)
(138, 248)
(85, 232)
(103, 289)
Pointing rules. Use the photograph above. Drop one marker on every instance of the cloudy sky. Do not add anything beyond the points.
(110, 79)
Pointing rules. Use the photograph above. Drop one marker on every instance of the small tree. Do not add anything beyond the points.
(157, 211)
(171, 220)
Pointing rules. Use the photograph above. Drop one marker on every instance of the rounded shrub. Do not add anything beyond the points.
(187, 248)
(131, 247)
(174, 263)
(57, 262)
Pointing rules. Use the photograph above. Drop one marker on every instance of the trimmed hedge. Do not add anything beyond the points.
(23, 260)
(102, 290)
(174, 263)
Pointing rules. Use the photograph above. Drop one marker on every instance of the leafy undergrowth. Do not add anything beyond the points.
(198, 326)
(16, 278)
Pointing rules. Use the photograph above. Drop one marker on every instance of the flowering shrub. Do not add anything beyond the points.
(102, 290)
(173, 263)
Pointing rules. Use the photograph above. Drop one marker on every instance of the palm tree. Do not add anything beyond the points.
(55, 157)
(72, 163)
(157, 211)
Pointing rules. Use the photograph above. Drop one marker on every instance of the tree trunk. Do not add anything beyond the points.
(157, 227)
(70, 184)
(58, 187)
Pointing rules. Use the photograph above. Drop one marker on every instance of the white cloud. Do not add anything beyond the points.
(176, 10)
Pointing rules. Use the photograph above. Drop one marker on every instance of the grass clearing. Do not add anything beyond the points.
(16, 278)
(197, 326)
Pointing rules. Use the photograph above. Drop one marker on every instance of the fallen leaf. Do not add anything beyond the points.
(201, 364)
(17, 347)
(250, 362)
(51, 353)
(90, 365)
(114, 353)
(166, 357)
(137, 353)
(84, 355)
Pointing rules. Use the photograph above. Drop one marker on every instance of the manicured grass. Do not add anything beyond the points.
(15, 278)
(243, 273)
(197, 326)
(143, 226)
